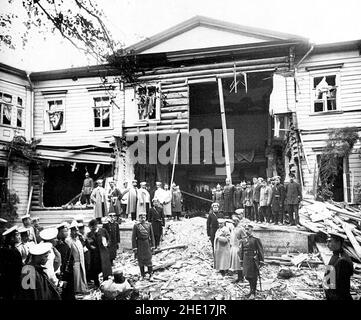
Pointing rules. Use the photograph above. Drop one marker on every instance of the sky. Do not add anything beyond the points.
(130, 21)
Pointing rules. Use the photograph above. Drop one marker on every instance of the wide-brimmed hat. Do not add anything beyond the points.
(48, 234)
(40, 248)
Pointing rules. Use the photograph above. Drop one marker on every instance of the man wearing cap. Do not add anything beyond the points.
(88, 186)
(167, 201)
(228, 191)
(52, 266)
(177, 200)
(237, 197)
(293, 198)
(99, 200)
(257, 184)
(277, 201)
(124, 199)
(248, 202)
(143, 199)
(114, 236)
(77, 261)
(265, 202)
(159, 192)
(84, 241)
(25, 244)
(10, 265)
(37, 228)
(114, 196)
(35, 284)
(27, 224)
(143, 244)
(98, 239)
(251, 255)
(218, 197)
(132, 200)
(66, 272)
(339, 270)
(156, 218)
(212, 222)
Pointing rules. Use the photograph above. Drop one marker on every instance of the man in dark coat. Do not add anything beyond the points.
(156, 218)
(237, 197)
(257, 184)
(35, 282)
(113, 230)
(86, 190)
(212, 222)
(251, 255)
(177, 201)
(277, 200)
(228, 191)
(10, 265)
(66, 274)
(114, 196)
(340, 269)
(98, 239)
(143, 244)
(293, 198)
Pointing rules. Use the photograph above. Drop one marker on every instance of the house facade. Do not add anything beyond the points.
(201, 84)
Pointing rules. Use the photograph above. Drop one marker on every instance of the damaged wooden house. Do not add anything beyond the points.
(268, 98)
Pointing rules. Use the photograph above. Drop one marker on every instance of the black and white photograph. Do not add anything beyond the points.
(180, 150)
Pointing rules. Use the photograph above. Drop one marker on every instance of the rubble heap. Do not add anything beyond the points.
(184, 270)
(323, 217)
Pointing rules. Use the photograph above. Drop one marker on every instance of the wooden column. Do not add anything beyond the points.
(174, 160)
(224, 129)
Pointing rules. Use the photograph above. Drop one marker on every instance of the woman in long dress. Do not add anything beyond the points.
(77, 260)
(222, 248)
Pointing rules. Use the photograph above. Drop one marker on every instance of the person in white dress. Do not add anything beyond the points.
(167, 201)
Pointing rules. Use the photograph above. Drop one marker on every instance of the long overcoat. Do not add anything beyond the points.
(143, 241)
(251, 254)
(222, 249)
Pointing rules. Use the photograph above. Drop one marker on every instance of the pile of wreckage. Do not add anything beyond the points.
(183, 264)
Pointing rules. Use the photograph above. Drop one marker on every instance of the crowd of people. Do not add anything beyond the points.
(264, 200)
(56, 263)
(130, 201)
(65, 261)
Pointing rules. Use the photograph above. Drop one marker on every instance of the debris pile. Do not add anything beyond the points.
(183, 268)
(323, 217)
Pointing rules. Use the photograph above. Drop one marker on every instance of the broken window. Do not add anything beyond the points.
(146, 97)
(54, 116)
(11, 110)
(102, 112)
(324, 93)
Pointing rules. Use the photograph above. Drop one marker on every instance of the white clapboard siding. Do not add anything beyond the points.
(79, 117)
(349, 92)
(19, 182)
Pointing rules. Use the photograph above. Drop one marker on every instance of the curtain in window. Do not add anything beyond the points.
(6, 114)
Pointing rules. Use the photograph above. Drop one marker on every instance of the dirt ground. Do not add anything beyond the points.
(190, 274)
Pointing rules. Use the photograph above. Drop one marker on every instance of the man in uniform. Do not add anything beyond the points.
(37, 228)
(257, 184)
(340, 269)
(212, 222)
(113, 230)
(251, 255)
(10, 265)
(88, 186)
(156, 218)
(27, 224)
(277, 200)
(228, 191)
(42, 288)
(293, 198)
(143, 244)
(132, 200)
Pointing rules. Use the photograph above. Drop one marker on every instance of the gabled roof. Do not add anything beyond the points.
(196, 21)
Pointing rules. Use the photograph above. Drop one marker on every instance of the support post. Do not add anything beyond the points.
(174, 159)
(224, 129)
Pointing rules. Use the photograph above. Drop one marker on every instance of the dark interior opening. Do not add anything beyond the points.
(61, 184)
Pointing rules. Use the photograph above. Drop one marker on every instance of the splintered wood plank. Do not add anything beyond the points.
(325, 253)
(352, 239)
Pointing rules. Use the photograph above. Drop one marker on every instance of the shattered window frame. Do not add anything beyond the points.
(142, 97)
(53, 111)
(100, 104)
(325, 94)
(14, 104)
